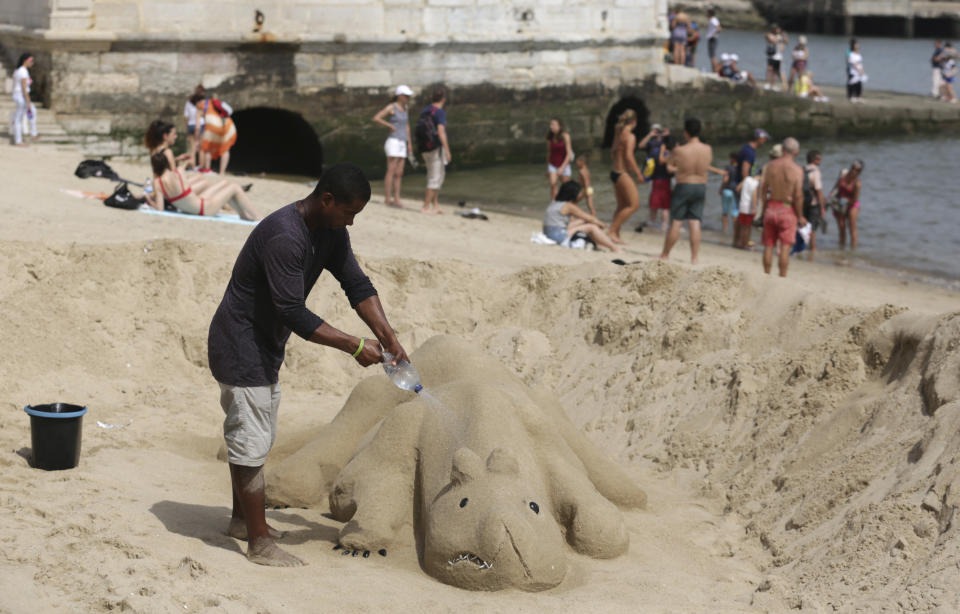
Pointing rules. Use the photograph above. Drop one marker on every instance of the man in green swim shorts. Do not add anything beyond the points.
(690, 163)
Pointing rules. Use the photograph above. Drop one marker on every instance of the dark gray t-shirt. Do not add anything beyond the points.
(265, 298)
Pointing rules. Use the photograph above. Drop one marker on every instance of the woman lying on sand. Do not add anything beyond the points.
(169, 184)
(563, 218)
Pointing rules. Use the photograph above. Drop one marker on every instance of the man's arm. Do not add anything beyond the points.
(371, 312)
(330, 336)
(442, 133)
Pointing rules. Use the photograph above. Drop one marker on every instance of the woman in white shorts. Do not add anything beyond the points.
(396, 117)
(559, 155)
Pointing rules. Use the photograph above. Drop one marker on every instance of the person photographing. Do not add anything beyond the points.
(264, 302)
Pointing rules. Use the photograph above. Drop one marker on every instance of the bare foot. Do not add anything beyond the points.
(21, 145)
(397, 204)
(617, 250)
(616, 239)
(265, 552)
(664, 257)
(428, 211)
(238, 530)
(438, 211)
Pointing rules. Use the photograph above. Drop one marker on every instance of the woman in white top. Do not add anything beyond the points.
(21, 98)
(855, 73)
(396, 117)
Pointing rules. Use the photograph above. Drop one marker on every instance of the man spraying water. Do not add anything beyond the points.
(264, 302)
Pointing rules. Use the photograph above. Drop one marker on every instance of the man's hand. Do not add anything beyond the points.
(802, 221)
(393, 346)
(371, 354)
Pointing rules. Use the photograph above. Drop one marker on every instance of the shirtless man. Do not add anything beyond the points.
(781, 188)
(690, 163)
(622, 165)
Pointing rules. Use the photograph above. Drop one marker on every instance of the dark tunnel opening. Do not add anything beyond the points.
(278, 141)
(643, 119)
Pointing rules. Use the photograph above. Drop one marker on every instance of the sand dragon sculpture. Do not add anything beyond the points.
(495, 479)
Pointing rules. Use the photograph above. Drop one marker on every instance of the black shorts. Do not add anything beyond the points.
(812, 213)
(774, 64)
(712, 47)
(687, 201)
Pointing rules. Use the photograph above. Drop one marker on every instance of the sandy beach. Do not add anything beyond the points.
(797, 438)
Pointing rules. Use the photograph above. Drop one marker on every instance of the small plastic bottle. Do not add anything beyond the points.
(403, 375)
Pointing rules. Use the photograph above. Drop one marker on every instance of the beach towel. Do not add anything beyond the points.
(230, 218)
(219, 133)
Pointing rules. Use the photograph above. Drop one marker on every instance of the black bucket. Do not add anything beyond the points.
(55, 431)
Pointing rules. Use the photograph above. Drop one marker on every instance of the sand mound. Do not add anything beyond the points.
(828, 432)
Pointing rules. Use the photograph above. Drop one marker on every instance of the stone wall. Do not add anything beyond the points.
(421, 20)
(25, 13)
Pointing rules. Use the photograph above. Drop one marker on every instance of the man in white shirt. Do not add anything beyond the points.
(713, 28)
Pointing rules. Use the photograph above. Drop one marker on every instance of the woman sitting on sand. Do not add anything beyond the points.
(160, 138)
(563, 218)
(623, 163)
(169, 185)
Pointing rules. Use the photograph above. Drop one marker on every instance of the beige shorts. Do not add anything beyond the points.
(436, 170)
(250, 427)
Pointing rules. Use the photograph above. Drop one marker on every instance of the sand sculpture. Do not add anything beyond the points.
(495, 479)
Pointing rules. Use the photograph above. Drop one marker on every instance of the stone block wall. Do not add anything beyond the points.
(421, 20)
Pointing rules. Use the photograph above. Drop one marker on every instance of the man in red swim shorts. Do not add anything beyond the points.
(781, 188)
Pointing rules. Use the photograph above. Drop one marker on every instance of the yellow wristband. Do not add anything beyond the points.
(359, 348)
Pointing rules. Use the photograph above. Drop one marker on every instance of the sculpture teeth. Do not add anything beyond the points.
(476, 560)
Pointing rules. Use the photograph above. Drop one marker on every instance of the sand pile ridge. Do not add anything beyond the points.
(830, 433)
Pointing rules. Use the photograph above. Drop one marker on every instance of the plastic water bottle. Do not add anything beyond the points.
(403, 375)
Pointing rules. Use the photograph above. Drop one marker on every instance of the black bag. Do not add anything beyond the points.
(123, 199)
(425, 132)
(95, 168)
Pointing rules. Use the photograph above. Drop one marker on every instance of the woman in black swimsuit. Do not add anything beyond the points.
(623, 163)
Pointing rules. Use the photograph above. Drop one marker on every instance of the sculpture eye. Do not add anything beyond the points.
(463, 502)
(535, 507)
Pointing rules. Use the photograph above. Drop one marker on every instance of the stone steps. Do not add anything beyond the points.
(49, 130)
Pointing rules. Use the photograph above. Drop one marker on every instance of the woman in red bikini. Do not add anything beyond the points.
(847, 193)
(559, 155)
(169, 185)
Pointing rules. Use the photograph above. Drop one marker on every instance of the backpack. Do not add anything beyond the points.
(425, 132)
(809, 194)
(123, 199)
(95, 168)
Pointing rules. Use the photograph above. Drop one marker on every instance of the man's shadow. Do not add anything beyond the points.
(209, 523)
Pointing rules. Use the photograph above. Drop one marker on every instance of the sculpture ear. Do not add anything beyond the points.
(503, 461)
(466, 466)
